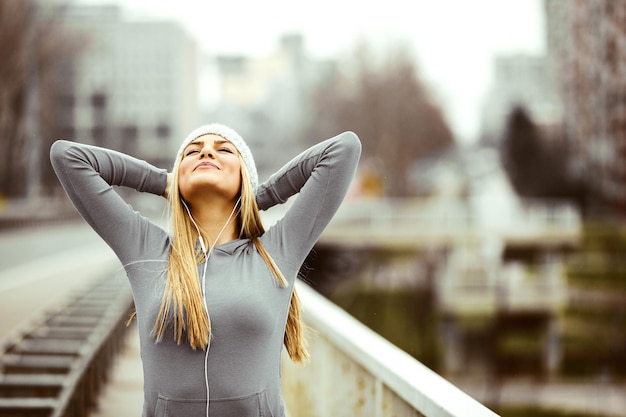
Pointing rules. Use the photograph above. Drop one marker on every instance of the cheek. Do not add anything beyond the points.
(182, 178)
(237, 179)
(182, 186)
(184, 166)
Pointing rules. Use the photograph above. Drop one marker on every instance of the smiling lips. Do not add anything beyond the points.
(206, 165)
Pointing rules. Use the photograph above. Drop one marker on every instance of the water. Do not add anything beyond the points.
(503, 352)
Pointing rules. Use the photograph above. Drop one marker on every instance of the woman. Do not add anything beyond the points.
(214, 298)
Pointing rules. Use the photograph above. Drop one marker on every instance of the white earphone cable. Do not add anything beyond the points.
(207, 255)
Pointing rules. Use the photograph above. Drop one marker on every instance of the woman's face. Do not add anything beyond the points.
(210, 164)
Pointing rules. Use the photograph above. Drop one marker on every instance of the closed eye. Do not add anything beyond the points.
(225, 150)
(191, 151)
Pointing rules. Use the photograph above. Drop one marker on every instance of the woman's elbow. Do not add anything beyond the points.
(64, 151)
(58, 150)
(351, 142)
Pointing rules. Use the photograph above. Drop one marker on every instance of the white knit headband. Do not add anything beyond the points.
(230, 135)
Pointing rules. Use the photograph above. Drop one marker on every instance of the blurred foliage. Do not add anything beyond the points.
(405, 318)
(537, 167)
(389, 107)
(601, 261)
(598, 271)
(594, 331)
(32, 52)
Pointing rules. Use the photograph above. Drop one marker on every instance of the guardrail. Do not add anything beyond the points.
(456, 212)
(356, 372)
(57, 366)
(417, 223)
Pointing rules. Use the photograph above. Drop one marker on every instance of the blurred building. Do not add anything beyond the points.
(266, 98)
(135, 86)
(587, 47)
(520, 80)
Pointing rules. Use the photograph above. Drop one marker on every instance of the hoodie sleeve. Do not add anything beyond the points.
(320, 176)
(87, 174)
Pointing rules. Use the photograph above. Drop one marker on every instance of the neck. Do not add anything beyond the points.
(217, 221)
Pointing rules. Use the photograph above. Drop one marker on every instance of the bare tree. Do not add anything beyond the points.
(33, 47)
(389, 108)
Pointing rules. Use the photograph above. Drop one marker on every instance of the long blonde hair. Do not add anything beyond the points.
(183, 295)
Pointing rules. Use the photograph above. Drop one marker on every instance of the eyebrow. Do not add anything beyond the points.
(215, 142)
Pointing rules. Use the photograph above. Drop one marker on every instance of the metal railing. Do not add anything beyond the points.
(57, 367)
(356, 372)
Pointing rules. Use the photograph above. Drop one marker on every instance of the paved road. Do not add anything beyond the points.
(18, 246)
(123, 395)
(40, 268)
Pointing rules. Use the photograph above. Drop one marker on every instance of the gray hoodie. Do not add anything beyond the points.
(248, 310)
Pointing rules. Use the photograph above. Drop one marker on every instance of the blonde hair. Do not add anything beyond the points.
(183, 295)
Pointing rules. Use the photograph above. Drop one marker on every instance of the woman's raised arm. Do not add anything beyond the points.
(87, 173)
(320, 176)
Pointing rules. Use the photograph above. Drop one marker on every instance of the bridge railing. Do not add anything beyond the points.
(355, 372)
(454, 219)
(57, 366)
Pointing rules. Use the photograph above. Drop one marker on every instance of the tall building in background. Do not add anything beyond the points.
(587, 45)
(267, 98)
(135, 85)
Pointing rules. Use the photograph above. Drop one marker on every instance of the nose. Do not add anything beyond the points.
(206, 151)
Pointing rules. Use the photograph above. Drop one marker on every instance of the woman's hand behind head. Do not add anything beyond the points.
(166, 192)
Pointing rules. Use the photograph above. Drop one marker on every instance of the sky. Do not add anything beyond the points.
(454, 41)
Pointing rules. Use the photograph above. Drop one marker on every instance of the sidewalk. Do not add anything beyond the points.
(123, 393)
